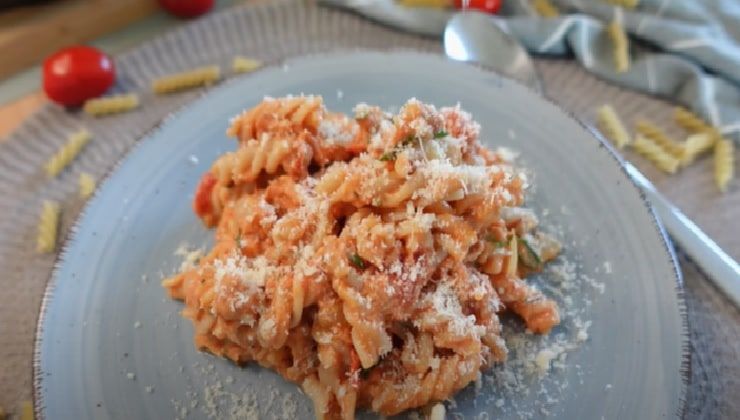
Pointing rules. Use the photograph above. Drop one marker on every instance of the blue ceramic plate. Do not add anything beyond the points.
(112, 345)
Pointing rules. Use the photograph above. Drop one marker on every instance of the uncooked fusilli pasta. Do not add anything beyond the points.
(620, 45)
(654, 133)
(366, 259)
(724, 163)
(655, 153)
(86, 184)
(47, 227)
(245, 65)
(690, 121)
(186, 80)
(111, 104)
(611, 125)
(67, 153)
(629, 4)
(695, 145)
(441, 4)
(545, 8)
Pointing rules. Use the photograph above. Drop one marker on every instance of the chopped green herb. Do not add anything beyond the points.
(238, 238)
(531, 253)
(498, 244)
(388, 156)
(356, 261)
(408, 140)
(440, 134)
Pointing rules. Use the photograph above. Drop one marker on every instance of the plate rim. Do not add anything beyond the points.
(275, 65)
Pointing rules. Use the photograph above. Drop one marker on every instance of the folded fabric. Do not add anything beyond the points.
(687, 51)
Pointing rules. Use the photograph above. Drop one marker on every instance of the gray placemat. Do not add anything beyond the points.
(271, 32)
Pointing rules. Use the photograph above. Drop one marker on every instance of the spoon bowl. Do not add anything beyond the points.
(477, 37)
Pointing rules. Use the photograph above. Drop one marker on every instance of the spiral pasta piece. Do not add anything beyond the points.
(724, 163)
(620, 45)
(654, 133)
(692, 122)
(367, 259)
(628, 4)
(439, 4)
(47, 228)
(545, 8)
(86, 185)
(695, 145)
(612, 126)
(656, 154)
(111, 104)
(201, 76)
(67, 153)
(245, 64)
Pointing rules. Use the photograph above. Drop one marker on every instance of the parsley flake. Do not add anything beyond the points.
(388, 156)
(440, 134)
(356, 261)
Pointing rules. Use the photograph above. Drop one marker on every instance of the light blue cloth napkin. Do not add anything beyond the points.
(687, 51)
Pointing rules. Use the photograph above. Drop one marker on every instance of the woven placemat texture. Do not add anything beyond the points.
(271, 32)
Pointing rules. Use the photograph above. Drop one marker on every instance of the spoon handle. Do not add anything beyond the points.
(711, 259)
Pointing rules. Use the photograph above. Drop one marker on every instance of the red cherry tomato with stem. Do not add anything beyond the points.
(187, 8)
(75, 74)
(488, 6)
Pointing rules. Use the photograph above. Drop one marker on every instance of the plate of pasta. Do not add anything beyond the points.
(376, 233)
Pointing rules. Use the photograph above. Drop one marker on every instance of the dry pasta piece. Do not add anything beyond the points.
(612, 126)
(690, 121)
(245, 64)
(695, 145)
(47, 227)
(201, 76)
(111, 104)
(87, 185)
(620, 44)
(629, 4)
(724, 163)
(656, 154)
(440, 4)
(545, 8)
(654, 133)
(26, 411)
(66, 154)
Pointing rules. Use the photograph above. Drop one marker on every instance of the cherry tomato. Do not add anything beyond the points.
(187, 8)
(488, 6)
(75, 74)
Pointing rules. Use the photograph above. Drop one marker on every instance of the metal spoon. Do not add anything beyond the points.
(475, 37)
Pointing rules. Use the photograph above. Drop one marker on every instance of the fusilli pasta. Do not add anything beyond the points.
(695, 145)
(693, 123)
(612, 126)
(47, 227)
(441, 4)
(67, 153)
(724, 163)
(245, 65)
(87, 185)
(656, 154)
(654, 133)
(629, 4)
(366, 259)
(111, 104)
(545, 8)
(201, 76)
(620, 45)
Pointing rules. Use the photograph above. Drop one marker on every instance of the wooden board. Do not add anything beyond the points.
(28, 34)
